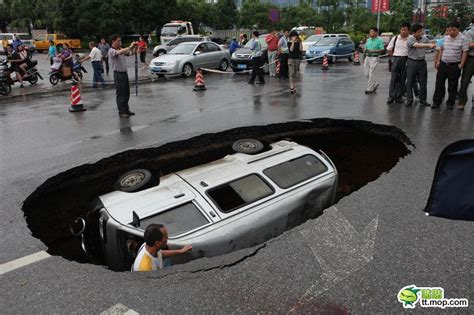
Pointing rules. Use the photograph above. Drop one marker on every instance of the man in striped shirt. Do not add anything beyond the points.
(450, 63)
(151, 253)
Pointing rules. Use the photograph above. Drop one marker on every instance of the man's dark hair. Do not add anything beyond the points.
(255, 33)
(153, 234)
(374, 29)
(245, 36)
(405, 24)
(416, 27)
(93, 44)
(114, 37)
(10, 45)
(454, 24)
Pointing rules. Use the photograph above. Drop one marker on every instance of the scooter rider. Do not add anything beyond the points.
(15, 62)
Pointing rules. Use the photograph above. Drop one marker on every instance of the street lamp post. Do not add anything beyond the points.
(378, 14)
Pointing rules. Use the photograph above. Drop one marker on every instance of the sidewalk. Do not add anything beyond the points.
(45, 87)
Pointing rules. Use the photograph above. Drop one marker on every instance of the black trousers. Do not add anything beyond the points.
(122, 91)
(284, 66)
(257, 69)
(451, 72)
(467, 73)
(417, 70)
(398, 77)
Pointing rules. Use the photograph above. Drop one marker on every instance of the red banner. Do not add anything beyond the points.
(441, 11)
(384, 6)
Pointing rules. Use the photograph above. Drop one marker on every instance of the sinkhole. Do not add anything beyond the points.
(360, 150)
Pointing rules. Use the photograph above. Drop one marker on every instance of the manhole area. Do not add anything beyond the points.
(361, 151)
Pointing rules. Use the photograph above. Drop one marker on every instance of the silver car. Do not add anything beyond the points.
(185, 58)
(236, 202)
(165, 48)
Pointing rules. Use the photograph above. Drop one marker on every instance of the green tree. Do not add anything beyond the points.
(255, 14)
(227, 13)
(461, 13)
(331, 15)
(400, 11)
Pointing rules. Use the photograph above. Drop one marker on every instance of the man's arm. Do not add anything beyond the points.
(167, 253)
(126, 50)
(390, 47)
(438, 58)
(463, 59)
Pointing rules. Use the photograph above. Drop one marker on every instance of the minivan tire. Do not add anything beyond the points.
(247, 146)
(135, 180)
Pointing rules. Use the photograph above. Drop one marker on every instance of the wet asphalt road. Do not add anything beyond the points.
(39, 138)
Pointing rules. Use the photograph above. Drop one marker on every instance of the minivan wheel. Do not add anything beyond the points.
(135, 180)
(247, 146)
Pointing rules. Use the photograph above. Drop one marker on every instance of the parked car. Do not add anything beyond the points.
(331, 46)
(386, 37)
(7, 38)
(241, 59)
(42, 42)
(236, 202)
(163, 49)
(185, 58)
(313, 39)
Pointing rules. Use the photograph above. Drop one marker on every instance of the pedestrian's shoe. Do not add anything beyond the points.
(425, 103)
(375, 88)
(262, 82)
(390, 100)
(409, 103)
(124, 115)
(435, 105)
(450, 106)
(130, 113)
(369, 92)
(461, 106)
(250, 82)
(399, 100)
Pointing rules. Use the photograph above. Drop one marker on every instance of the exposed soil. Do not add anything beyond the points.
(361, 151)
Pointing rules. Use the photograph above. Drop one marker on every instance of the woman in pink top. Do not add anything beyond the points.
(142, 46)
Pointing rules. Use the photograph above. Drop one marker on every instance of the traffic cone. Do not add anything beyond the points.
(277, 68)
(199, 81)
(325, 63)
(356, 59)
(76, 102)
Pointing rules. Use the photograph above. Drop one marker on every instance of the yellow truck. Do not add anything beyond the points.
(42, 42)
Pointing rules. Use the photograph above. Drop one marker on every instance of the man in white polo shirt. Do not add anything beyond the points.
(96, 59)
(450, 63)
(398, 52)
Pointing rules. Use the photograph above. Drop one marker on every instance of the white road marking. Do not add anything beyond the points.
(23, 261)
(119, 309)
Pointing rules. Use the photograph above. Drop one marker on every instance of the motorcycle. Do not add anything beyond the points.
(60, 73)
(32, 76)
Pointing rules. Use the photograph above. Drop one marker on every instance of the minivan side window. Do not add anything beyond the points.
(295, 171)
(181, 219)
(239, 192)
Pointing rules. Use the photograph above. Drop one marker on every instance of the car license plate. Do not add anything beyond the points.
(241, 66)
(157, 69)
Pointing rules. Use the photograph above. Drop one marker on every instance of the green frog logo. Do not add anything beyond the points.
(408, 296)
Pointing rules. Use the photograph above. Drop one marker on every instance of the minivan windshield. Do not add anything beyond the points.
(328, 41)
(313, 38)
(182, 49)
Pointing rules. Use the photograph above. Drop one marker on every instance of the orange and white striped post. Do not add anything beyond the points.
(199, 81)
(325, 63)
(356, 59)
(76, 102)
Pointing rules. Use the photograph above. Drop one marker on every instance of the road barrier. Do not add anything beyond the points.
(76, 102)
(356, 59)
(199, 81)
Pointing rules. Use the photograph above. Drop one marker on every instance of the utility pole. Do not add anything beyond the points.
(378, 14)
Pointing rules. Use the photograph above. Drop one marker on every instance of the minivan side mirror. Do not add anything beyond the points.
(197, 52)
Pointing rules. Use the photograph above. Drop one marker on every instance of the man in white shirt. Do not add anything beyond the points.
(151, 253)
(96, 59)
(398, 52)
